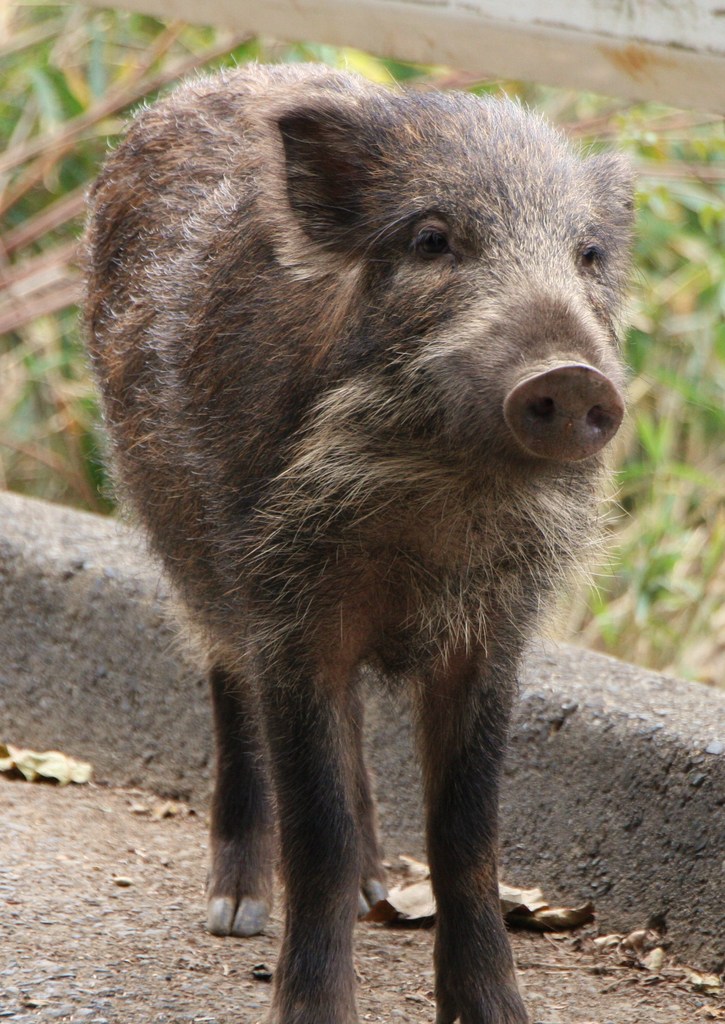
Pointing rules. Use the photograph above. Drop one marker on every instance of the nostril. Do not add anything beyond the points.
(541, 408)
(599, 418)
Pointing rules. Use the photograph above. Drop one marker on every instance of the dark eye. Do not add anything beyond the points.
(591, 256)
(431, 242)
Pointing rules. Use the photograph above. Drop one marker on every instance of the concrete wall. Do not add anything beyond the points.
(615, 783)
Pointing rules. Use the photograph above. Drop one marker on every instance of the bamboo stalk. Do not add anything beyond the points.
(73, 478)
(53, 216)
(117, 100)
(29, 37)
(53, 301)
(19, 277)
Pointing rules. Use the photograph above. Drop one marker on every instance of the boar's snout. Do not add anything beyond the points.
(568, 411)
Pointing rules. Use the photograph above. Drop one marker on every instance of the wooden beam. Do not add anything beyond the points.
(672, 52)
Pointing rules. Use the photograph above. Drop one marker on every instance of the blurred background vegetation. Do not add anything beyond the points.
(69, 78)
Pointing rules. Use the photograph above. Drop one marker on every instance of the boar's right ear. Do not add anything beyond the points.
(327, 167)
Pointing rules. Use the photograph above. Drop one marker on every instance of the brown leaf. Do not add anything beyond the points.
(524, 907)
(553, 918)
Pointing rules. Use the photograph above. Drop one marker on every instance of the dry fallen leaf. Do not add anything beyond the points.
(654, 959)
(31, 1003)
(553, 918)
(50, 764)
(405, 903)
(710, 984)
(644, 940)
(516, 899)
(524, 907)
(414, 869)
(167, 809)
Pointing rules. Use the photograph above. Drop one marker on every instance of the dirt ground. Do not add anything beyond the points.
(101, 910)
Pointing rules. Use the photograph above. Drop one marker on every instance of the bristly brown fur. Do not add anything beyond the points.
(305, 388)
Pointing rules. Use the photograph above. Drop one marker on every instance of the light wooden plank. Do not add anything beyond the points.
(670, 50)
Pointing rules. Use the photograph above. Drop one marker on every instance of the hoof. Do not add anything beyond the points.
(372, 892)
(226, 917)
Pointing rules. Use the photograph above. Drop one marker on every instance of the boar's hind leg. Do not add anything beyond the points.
(372, 878)
(313, 766)
(463, 718)
(240, 879)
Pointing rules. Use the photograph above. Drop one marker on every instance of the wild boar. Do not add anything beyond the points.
(359, 361)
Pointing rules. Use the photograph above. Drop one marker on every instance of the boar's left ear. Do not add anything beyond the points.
(327, 168)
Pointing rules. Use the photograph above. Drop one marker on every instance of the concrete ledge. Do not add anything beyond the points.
(615, 784)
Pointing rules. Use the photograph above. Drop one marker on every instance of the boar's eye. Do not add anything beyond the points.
(431, 242)
(591, 256)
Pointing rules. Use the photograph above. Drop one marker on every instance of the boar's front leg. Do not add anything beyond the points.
(463, 715)
(312, 757)
(239, 889)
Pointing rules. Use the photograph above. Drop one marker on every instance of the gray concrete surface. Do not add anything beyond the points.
(615, 783)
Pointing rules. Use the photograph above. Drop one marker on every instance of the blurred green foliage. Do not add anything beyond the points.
(69, 77)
